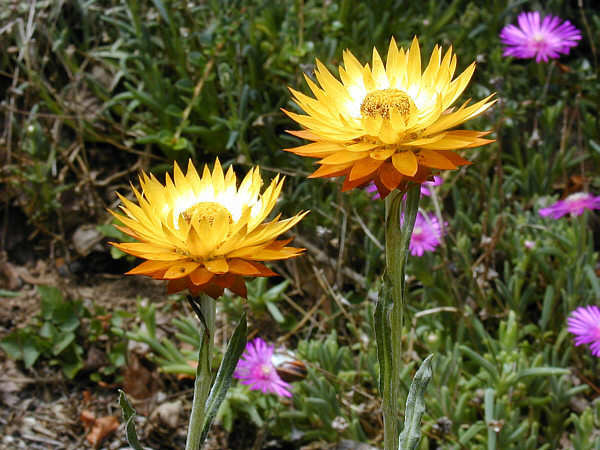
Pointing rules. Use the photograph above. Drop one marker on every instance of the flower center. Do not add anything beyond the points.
(206, 210)
(538, 37)
(265, 370)
(383, 101)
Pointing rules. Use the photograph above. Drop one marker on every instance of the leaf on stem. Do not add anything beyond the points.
(222, 382)
(128, 415)
(415, 407)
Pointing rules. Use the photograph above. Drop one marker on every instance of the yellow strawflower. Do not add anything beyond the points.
(387, 123)
(205, 234)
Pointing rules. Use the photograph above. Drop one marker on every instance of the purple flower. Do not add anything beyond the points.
(538, 37)
(584, 323)
(372, 188)
(437, 180)
(426, 235)
(256, 369)
(574, 204)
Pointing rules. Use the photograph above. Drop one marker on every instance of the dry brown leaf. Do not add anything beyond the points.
(87, 397)
(137, 380)
(103, 426)
(88, 418)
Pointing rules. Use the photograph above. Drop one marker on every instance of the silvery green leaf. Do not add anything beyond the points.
(415, 407)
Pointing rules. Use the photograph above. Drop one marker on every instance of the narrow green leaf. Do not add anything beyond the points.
(591, 276)
(128, 415)
(547, 306)
(415, 407)
(541, 372)
(272, 307)
(484, 363)
(222, 382)
(490, 417)
(178, 369)
(471, 432)
(162, 11)
(5, 293)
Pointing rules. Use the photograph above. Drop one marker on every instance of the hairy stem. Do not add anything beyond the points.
(206, 313)
(397, 238)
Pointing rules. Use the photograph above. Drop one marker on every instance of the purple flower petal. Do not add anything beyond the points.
(584, 323)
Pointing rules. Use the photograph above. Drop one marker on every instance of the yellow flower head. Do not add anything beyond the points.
(387, 123)
(205, 234)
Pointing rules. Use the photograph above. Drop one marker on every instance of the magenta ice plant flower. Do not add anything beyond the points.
(370, 188)
(584, 323)
(574, 204)
(256, 370)
(539, 37)
(426, 236)
(437, 180)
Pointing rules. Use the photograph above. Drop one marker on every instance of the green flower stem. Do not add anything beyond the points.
(203, 374)
(397, 241)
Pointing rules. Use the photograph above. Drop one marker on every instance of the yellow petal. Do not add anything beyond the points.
(217, 266)
(201, 276)
(434, 160)
(405, 162)
(242, 267)
(149, 267)
(383, 153)
(364, 168)
(387, 134)
(180, 269)
(343, 157)
(413, 68)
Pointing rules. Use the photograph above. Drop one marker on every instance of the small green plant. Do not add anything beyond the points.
(61, 332)
(34, 173)
(587, 424)
(171, 358)
(261, 299)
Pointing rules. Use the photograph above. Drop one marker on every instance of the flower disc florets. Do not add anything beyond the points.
(383, 101)
(206, 211)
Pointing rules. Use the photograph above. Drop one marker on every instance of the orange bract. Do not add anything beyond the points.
(387, 123)
(204, 233)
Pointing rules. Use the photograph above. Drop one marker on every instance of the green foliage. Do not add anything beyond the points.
(586, 428)
(261, 299)
(61, 332)
(33, 176)
(166, 354)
